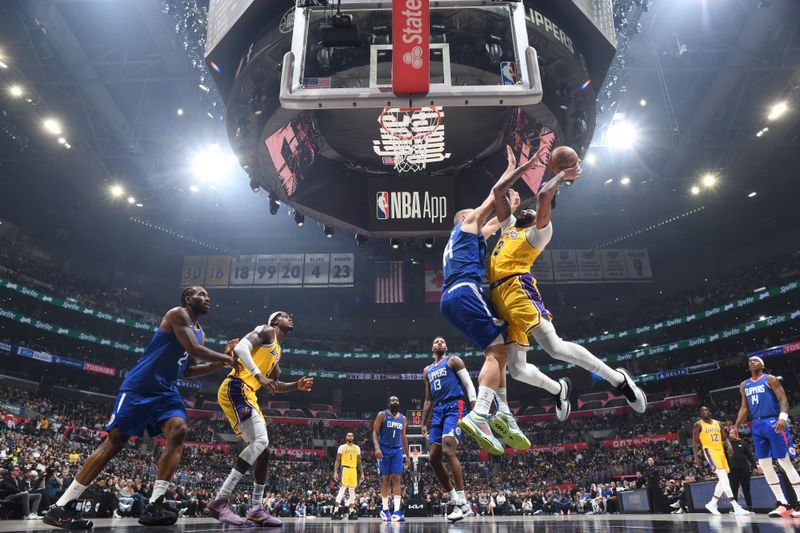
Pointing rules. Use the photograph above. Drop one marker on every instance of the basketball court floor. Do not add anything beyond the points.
(579, 524)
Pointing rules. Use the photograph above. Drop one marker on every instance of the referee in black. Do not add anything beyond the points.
(654, 493)
(742, 465)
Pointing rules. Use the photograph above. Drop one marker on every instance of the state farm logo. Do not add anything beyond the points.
(410, 205)
(412, 30)
(413, 58)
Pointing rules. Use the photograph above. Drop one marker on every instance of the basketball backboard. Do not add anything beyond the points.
(476, 54)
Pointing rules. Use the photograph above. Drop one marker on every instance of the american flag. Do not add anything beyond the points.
(320, 83)
(389, 283)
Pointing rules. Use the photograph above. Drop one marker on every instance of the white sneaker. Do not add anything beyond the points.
(712, 508)
(32, 516)
(738, 510)
(563, 405)
(679, 511)
(633, 394)
(675, 505)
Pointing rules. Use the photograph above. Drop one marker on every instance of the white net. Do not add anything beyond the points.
(410, 130)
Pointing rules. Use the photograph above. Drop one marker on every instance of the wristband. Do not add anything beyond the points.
(784, 417)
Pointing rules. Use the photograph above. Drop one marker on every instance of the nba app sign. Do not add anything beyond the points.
(410, 203)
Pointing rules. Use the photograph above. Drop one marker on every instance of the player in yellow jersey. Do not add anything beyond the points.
(709, 440)
(348, 458)
(516, 299)
(259, 355)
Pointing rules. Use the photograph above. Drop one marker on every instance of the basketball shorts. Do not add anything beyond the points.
(134, 413)
(467, 309)
(716, 460)
(392, 462)
(349, 476)
(769, 444)
(445, 421)
(238, 402)
(518, 302)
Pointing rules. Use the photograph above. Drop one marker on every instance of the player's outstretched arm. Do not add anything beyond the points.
(544, 199)
(274, 386)
(458, 366)
(180, 324)
(427, 407)
(376, 429)
(744, 410)
(783, 418)
(502, 203)
(197, 369)
(494, 224)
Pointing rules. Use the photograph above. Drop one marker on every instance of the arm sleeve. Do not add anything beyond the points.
(539, 238)
(466, 381)
(242, 351)
(507, 223)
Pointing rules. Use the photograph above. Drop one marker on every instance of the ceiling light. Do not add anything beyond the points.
(194, 188)
(139, 205)
(762, 317)
(361, 240)
(179, 112)
(429, 242)
(328, 230)
(299, 219)
(213, 165)
(777, 110)
(642, 102)
(621, 133)
(394, 243)
(116, 191)
(695, 190)
(16, 91)
(591, 159)
(62, 140)
(752, 194)
(609, 180)
(274, 204)
(53, 126)
(625, 180)
(67, 146)
(709, 180)
(3, 64)
(760, 289)
(203, 87)
(131, 200)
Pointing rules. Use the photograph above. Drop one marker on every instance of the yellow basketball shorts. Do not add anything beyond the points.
(716, 460)
(238, 401)
(516, 300)
(350, 476)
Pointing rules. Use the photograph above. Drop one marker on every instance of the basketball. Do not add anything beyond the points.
(562, 158)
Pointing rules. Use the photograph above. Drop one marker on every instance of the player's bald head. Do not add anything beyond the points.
(461, 215)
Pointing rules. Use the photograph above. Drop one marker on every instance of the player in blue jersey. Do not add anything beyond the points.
(149, 399)
(764, 399)
(466, 307)
(446, 382)
(391, 451)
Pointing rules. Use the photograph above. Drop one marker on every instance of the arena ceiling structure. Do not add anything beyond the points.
(125, 86)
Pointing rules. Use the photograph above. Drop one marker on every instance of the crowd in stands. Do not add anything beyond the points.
(39, 458)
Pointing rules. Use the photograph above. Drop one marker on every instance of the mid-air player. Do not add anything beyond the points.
(446, 382)
(464, 305)
(391, 451)
(764, 399)
(709, 440)
(149, 399)
(516, 297)
(348, 460)
(259, 355)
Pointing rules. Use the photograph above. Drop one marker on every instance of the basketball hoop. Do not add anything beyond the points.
(415, 450)
(410, 129)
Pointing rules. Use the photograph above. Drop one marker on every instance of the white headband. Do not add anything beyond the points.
(757, 358)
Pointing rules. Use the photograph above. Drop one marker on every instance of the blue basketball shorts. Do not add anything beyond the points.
(135, 413)
(769, 444)
(469, 311)
(445, 421)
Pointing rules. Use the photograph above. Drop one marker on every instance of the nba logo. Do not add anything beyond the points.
(508, 73)
(382, 205)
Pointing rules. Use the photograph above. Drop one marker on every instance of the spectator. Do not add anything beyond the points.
(14, 490)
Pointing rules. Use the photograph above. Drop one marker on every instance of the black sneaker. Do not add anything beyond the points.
(338, 514)
(158, 513)
(66, 517)
(635, 396)
(353, 515)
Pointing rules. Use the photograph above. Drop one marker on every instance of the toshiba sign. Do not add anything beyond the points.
(411, 54)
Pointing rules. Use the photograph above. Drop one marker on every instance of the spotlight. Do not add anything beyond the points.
(621, 134)
(299, 218)
(67, 146)
(625, 180)
(777, 110)
(609, 180)
(179, 112)
(53, 126)
(131, 200)
(328, 231)
(16, 91)
(585, 85)
(394, 243)
(139, 204)
(3, 64)
(591, 159)
(643, 102)
(213, 165)
(194, 188)
(62, 140)
(695, 190)
(361, 240)
(429, 242)
(709, 180)
(274, 204)
(752, 194)
(116, 191)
